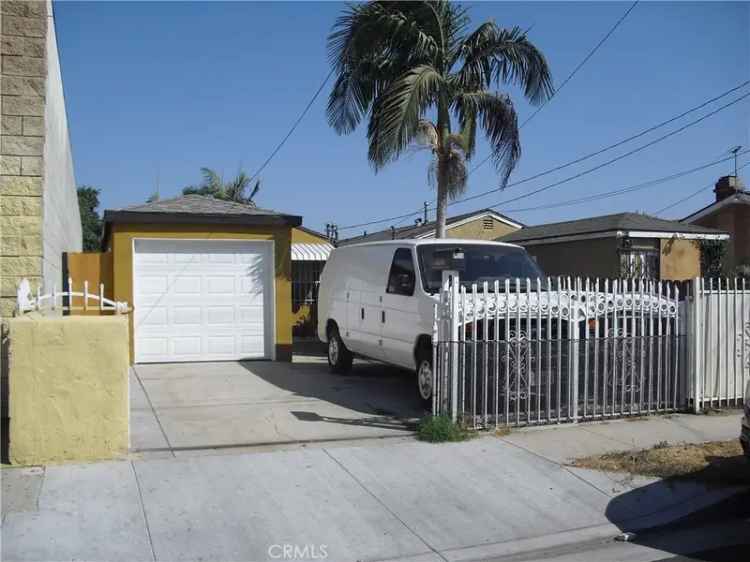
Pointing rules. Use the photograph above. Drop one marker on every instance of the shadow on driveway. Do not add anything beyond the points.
(701, 517)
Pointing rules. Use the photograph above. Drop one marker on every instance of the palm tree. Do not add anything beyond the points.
(403, 62)
(234, 190)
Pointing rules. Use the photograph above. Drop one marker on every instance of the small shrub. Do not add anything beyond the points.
(439, 429)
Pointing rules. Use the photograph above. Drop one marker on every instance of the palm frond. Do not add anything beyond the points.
(499, 120)
(492, 54)
(397, 112)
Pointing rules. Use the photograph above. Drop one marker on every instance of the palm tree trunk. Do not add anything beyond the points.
(442, 200)
(443, 130)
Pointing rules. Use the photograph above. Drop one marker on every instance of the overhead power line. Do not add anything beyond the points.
(620, 157)
(697, 191)
(294, 126)
(580, 65)
(624, 190)
(585, 157)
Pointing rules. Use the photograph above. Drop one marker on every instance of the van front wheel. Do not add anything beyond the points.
(339, 358)
(424, 380)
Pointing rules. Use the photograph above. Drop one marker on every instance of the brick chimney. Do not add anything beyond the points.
(727, 186)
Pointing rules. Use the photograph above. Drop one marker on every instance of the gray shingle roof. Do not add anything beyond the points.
(605, 223)
(199, 204)
(413, 231)
(198, 208)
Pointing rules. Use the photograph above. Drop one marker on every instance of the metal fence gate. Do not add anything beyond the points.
(557, 350)
(719, 318)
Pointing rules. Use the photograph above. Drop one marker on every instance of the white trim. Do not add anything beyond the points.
(737, 198)
(678, 235)
(622, 234)
(274, 309)
(494, 215)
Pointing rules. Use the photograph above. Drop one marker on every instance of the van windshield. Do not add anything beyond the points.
(475, 263)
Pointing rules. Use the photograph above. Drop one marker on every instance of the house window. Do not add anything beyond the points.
(488, 223)
(639, 264)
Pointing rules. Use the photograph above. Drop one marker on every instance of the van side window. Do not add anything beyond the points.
(401, 278)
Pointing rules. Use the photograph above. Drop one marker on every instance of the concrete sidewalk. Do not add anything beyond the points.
(404, 500)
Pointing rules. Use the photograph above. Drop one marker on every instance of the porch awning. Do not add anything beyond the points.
(311, 252)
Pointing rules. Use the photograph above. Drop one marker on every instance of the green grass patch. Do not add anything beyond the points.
(441, 429)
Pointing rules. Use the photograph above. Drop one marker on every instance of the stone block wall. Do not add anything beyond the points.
(39, 217)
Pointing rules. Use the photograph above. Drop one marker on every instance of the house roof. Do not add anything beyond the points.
(620, 224)
(194, 208)
(427, 229)
(738, 198)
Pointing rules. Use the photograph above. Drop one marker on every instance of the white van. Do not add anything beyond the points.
(376, 299)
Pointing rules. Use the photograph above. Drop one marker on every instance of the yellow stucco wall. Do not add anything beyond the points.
(303, 237)
(122, 252)
(475, 230)
(68, 388)
(680, 260)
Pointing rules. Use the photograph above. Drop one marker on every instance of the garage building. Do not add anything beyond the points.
(208, 280)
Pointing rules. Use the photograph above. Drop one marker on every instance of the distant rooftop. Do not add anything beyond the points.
(620, 222)
(422, 229)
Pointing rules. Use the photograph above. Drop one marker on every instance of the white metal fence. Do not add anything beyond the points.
(66, 301)
(557, 350)
(719, 328)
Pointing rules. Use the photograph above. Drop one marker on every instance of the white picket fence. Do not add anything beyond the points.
(719, 330)
(527, 352)
(26, 301)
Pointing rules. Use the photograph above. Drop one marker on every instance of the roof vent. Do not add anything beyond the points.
(488, 223)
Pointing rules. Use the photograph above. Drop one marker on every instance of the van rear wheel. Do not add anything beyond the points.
(339, 357)
(424, 380)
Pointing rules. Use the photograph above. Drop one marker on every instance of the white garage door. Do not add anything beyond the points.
(202, 300)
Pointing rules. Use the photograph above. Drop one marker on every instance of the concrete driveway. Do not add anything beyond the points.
(182, 407)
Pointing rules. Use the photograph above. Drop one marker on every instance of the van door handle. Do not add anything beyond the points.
(362, 313)
(382, 316)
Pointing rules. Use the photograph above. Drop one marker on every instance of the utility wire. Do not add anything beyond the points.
(590, 54)
(578, 160)
(294, 126)
(620, 157)
(696, 192)
(622, 191)
(611, 146)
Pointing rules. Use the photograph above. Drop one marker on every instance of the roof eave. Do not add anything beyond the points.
(135, 217)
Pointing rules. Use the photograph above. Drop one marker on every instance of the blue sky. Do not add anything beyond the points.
(165, 88)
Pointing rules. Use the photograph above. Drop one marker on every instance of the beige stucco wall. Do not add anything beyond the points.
(680, 260)
(68, 388)
(475, 230)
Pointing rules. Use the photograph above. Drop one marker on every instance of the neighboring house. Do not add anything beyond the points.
(207, 279)
(480, 225)
(730, 213)
(310, 250)
(620, 245)
(39, 218)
